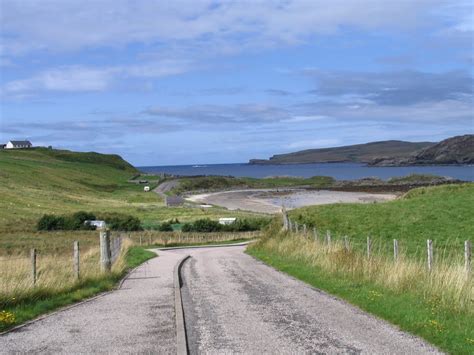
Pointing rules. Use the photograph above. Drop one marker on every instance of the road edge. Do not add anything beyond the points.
(181, 339)
(76, 304)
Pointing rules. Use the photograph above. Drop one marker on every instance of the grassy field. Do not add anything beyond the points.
(211, 183)
(438, 306)
(38, 181)
(441, 213)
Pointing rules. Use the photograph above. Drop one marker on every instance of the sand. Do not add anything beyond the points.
(271, 200)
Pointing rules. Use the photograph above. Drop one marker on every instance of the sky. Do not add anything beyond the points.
(201, 81)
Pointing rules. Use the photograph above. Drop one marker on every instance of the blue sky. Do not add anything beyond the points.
(183, 82)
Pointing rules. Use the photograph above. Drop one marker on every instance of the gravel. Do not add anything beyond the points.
(236, 304)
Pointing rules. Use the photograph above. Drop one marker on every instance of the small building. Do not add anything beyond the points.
(227, 220)
(96, 223)
(174, 201)
(2, 146)
(146, 188)
(18, 145)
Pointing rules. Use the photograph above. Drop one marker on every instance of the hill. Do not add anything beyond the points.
(455, 150)
(360, 153)
(40, 180)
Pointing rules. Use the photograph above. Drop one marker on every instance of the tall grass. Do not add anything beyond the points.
(55, 274)
(448, 284)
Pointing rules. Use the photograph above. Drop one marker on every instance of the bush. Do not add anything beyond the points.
(115, 221)
(240, 225)
(122, 222)
(166, 227)
(51, 222)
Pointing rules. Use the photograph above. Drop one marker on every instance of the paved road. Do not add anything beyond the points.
(235, 304)
(137, 318)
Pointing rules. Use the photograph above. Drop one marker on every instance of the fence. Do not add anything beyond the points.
(295, 227)
(151, 238)
(19, 274)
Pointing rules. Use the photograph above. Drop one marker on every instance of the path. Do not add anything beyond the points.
(235, 304)
(137, 318)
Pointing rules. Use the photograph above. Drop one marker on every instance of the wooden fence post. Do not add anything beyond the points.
(304, 229)
(76, 260)
(290, 225)
(285, 218)
(328, 238)
(369, 246)
(429, 245)
(296, 227)
(315, 234)
(105, 262)
(346, 243)
(33, 266)
(395, 249)
(467, 256)
(140, 239)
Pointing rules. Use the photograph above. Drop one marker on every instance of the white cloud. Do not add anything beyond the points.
(84, 79)
(58, 25)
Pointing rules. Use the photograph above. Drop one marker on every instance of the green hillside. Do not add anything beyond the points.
(441, 213)
(352, 153)
(38, 181)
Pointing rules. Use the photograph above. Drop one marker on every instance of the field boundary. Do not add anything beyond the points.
(76, 304)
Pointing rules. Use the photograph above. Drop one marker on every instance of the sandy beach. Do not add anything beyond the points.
(271, 200)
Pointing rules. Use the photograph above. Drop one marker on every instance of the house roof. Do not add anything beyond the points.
(20, 142)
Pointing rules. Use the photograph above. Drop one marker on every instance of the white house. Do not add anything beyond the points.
(97, 224)
(18, 145)
(226, 221)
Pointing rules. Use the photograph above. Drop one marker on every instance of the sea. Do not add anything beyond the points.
(339, 171)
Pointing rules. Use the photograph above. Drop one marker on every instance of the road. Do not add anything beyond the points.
(232, 304)
(137, 318)
(235, 304)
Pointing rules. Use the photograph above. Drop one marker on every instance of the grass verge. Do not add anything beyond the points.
(435, 307)
(14, 312)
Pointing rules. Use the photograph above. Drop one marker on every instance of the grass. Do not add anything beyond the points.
(222, 183)
(441, 213)
(39, 181)
(437, 305)
(56, 287)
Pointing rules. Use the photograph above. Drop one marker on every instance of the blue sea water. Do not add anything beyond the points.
(339, 171)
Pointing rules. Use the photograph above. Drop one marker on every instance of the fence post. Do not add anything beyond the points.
(290, 225)
(429, 245)
(346, 242)
(296, 227)
(467, 256)
(149, 239)
(105, 263)
(304, 229)
(315, 233)
(33, 266)
(76, 259)
(328, 238)
(140, 239)
(395, 249)
(369, 245)
(285, 218)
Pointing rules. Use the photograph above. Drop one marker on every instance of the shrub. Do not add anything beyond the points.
(166, 227)
(51, 222)
(240, 225)
(122, 222)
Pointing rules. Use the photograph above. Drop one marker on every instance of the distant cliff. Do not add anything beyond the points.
(451, 151)
(360, 153)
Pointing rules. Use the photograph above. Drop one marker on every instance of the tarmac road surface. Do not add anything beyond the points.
(137, 318)
(236, 304)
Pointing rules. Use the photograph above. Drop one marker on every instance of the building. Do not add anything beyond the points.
(174, 201)
(97, 224)
(2, 146)
(226, 221)
(18, 145)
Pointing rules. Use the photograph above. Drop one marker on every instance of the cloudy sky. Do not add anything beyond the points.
(182, 82)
